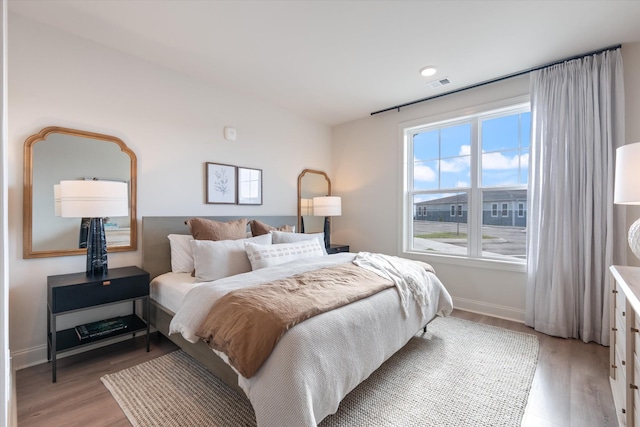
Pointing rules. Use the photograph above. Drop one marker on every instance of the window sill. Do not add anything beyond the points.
(486, 263)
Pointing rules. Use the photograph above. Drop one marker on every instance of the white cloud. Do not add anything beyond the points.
(465, 150)
(423, 173)
(462, 184)
(456, 164)
(500, 161)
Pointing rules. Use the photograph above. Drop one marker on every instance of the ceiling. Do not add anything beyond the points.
(337, 61)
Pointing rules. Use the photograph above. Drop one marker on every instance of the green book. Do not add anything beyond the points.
(101, 327)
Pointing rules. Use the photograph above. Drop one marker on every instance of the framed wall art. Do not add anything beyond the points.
(221, 184)
(249, 186)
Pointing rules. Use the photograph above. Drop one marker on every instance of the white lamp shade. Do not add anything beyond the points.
(327, 206)
(627, 181)
(93, 199)
(306, 207)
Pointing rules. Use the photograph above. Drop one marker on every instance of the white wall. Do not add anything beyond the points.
(172, 122)
(366, 173)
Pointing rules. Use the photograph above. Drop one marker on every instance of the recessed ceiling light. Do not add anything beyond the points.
(428, 71)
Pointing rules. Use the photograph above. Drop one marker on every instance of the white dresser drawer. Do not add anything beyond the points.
(621, 341)
(622, 371)
(635, 337)
(625, 337)
(621, 326)
(633, 379)
(620, 300)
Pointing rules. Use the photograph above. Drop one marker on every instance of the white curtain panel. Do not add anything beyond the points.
(575, 233)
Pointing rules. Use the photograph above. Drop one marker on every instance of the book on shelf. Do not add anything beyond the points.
(101, 327)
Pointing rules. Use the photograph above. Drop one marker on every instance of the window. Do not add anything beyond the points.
(467, 172)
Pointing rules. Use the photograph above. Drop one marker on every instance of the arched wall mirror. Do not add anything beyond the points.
(55, 154)
(311, 183)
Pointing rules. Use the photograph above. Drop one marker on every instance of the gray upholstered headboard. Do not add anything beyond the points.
(156, 252)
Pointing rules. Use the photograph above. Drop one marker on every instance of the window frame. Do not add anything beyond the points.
(406, 131)
(504, 210)
(494, 210)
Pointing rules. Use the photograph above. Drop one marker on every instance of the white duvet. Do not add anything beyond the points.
(319, 361)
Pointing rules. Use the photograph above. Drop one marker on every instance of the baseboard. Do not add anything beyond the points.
(494, 310)
(12, 418)
(37, 355)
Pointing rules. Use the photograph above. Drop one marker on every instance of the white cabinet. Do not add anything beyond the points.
(624, 350)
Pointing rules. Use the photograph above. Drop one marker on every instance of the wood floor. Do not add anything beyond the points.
(570, 388)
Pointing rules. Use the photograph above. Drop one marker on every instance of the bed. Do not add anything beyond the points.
(317, 362)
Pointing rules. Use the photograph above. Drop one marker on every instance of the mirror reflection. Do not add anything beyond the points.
(57, 154)
(311, 183)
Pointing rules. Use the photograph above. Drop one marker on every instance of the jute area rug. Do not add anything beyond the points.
(459, 373)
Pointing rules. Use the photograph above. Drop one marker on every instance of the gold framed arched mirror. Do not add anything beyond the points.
(55, 154)
(311, 183)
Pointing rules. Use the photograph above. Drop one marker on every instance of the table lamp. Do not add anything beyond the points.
(327, 206)
(95, 200)
(627, 187)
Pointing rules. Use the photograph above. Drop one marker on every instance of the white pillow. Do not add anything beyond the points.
(262, 256)
(181, 253)
(283, 237)
(222, 258)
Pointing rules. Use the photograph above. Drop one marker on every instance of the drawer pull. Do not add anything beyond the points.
(633, 386)
(624, 411)
(615, 291)
(635, 329)
(614, 366)
(624, 314)
(624, 363)
(614, 329)
(106, 283)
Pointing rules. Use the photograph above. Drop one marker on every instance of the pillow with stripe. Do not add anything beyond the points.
(262, 256)
(282, 237)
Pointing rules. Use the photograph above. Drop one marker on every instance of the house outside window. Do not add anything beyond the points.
(462, 171)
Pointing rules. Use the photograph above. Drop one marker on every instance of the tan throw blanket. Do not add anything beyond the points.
(246, 324)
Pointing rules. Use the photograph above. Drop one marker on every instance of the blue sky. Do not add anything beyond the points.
(442, 156)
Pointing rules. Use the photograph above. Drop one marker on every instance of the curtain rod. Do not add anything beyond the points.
(516, 74)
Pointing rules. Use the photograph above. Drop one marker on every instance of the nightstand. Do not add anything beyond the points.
(336, 249)
(69, 293)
